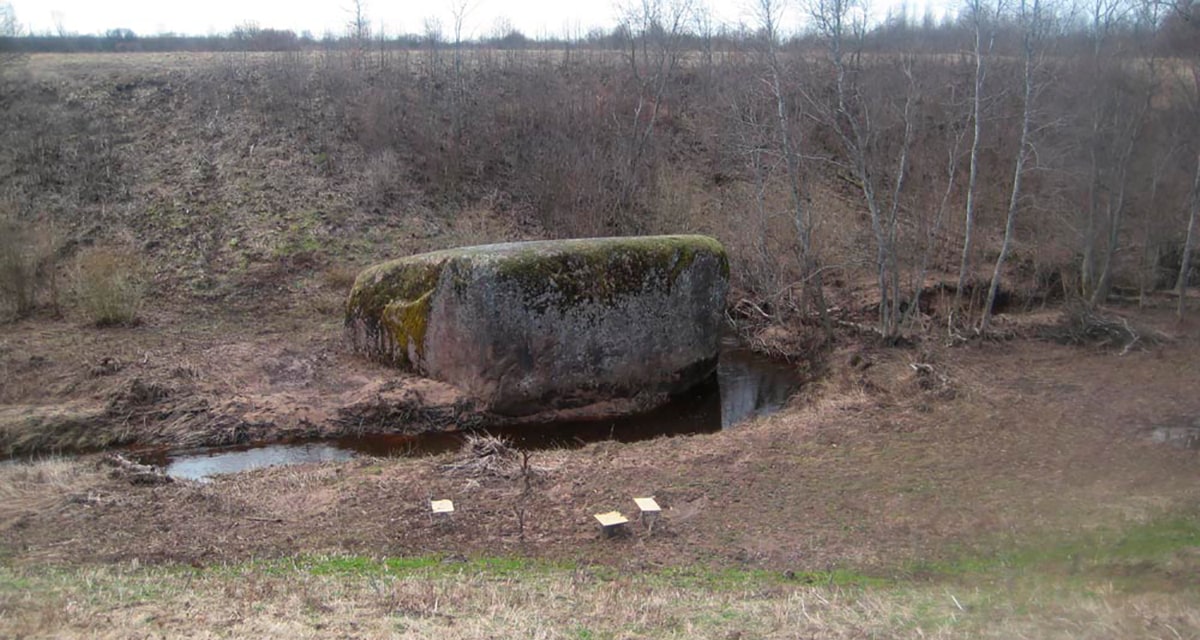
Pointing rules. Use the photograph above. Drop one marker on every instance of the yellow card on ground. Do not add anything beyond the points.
(647, 504)
(611, 519)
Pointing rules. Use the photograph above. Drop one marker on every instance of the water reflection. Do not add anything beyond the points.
(1185, 437)
(745, 385)
(210, 463)
(751, 385)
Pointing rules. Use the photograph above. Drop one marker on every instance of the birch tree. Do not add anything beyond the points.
(654, 50)
(858, 123)
(1030, 17)
(789, 142)
(983, 17)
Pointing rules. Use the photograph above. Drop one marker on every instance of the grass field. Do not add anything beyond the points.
(1126, 584)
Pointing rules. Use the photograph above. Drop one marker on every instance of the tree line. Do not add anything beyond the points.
(1054, 145)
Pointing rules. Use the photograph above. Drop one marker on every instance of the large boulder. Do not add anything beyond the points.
(529, 327)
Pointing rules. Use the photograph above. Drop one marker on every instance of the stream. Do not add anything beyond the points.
(745, 386)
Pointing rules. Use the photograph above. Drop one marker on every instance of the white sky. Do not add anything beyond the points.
(533, 17)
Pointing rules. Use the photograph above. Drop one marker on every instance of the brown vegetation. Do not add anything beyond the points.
(840, 159)
(108, 286)
(883, 464)
(246, 190)
(27, 268)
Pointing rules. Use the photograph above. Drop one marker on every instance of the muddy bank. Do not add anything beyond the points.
(873, 470)
(746, 386)
(405, 415)
(172, 382)
(154, 414)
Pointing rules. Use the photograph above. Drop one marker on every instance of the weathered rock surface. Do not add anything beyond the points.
(536, 326)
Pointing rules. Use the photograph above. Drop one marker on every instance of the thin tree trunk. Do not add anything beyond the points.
(1087, 268)
(931, 238)
(892, 325)
(976, 116)
(1116, 206)
(1115, 217)
(1014, 199)
(1150, 249)
(801, 217)
(1189, 242)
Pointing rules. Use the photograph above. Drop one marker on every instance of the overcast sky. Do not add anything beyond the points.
(532, 17)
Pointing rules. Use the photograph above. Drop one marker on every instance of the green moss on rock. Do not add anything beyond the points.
(381, 285)
(406, 322)
(388, 308)
(550, 324)
(564, 274)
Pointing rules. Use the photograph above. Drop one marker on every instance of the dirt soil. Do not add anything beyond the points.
(225, 381)
(991, 443)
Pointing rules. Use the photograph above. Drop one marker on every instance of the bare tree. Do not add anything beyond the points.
(788, 143)
(956, 134)
(705, 25)
(1189, 243)
(984, 18)
(433, 42)
(655, 30)
(1189, 14)
(359, 27)
(9, 28)
(753, 131)
(60, 27)
(858, 116)
(459, 9)
(1119, 118)
(1031, 19)
(381, 40)
(1166, 143)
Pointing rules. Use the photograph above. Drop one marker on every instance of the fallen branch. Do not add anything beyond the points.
(1082, 325)
(134, 472)
(486, 456)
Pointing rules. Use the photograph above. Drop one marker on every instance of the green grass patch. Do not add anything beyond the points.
(1149, 545)
(1052, 588)
(432, 566)
(1018, 594)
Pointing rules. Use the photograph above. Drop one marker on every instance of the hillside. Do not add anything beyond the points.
(1037, 479)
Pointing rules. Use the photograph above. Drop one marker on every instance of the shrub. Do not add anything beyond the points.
(109, 287)
(27, 259)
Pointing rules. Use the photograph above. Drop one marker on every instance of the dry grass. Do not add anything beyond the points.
(353, 597)
(40, 485)
(109, 286)
(26, 265)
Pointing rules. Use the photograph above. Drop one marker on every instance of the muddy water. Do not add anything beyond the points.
(745, 385)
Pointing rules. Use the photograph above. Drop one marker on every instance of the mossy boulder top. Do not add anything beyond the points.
(528, 327)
